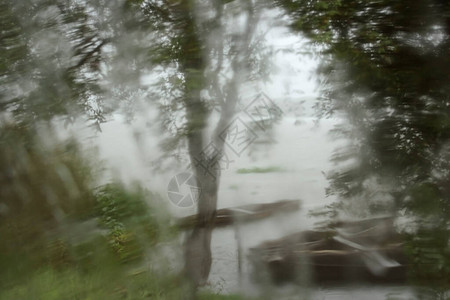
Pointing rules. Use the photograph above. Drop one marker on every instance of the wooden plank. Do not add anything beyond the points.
(245, 213)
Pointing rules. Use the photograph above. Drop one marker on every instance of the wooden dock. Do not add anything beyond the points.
(245, 213)
(367, 250)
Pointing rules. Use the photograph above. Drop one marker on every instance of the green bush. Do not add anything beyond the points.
(430, 257)
(125, 214)
(45, 186)
(61, 238)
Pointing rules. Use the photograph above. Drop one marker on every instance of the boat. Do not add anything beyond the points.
(244, 213)
(363, 250)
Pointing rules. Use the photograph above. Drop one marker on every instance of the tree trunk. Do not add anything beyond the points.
(198, 257)
(197, 246)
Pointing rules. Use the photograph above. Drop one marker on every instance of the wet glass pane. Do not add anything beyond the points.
(224, 149)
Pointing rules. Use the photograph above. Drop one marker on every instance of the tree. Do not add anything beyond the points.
(385, 64)
(42, 83)
(102, 50)
(206, 58)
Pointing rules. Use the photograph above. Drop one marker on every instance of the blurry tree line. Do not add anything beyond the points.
(64, 233)
(384, 70)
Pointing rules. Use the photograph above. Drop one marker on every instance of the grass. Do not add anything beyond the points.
(50, 284)
(209, 296)
(98, 266)
(260, 170)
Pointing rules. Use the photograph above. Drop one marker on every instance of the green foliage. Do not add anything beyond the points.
(41, 83)
(116, 204)
(42, 186)
(426, 200)
(126, 216)
(430, 256)
(389, 80)
(385, 64)
(48, 205)
(46, 189)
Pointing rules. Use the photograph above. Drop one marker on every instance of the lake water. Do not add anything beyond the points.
(302, 154)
